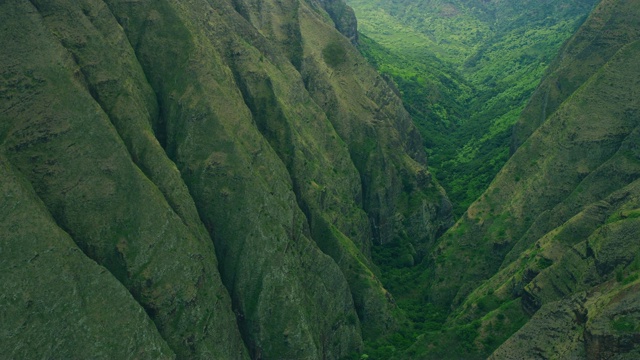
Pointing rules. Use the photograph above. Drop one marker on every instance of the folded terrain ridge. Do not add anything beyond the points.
(552, 245)
(199, 179)
(208, 179)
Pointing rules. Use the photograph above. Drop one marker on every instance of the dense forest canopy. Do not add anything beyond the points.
(465, 70)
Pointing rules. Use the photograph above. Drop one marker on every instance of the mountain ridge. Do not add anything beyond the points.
(233, 180)
(199, 156)
(466, 69)
(536, 234)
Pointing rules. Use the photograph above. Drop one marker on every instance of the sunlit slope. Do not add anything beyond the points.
(556, 231)
(465, 70)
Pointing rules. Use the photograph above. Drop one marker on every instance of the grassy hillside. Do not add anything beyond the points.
(551, 246)
(232, 180)
(465, 71)
(209, 176)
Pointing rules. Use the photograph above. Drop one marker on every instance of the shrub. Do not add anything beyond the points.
(334, 54)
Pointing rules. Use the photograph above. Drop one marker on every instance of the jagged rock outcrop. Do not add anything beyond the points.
(602, 323)
(227, 164)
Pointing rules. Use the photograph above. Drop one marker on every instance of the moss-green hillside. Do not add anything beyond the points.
(234, 180)
(465, 70)
(552, 243)
(219, 171)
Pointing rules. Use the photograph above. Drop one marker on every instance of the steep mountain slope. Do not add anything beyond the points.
(465, 70)
(49, 287)
(224, 166)
(555, 234)
(218, 179)
(590, 48)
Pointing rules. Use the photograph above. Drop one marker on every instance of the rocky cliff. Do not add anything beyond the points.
(199, 179)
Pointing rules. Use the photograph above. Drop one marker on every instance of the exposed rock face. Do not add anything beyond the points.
(554, 332)
(228, 163)
(613, 327)
(599, 324)
(343, 17)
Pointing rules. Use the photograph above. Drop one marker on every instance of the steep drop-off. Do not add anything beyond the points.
(210, 179)
(556, 234)
(465, 70)
(209, 176)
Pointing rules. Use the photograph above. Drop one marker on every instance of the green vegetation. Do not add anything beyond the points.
(252, 189)
(465, 72)
(625, 324)
(334, 54)
(211, 169)
(557, 221)
(464, 78)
